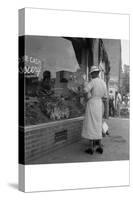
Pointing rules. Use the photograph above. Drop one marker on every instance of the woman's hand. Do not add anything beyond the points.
(84, 77)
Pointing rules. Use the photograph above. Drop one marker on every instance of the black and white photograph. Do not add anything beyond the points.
(66, 100)
(76, 99)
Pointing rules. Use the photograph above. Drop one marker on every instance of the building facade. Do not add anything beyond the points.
(54, 100)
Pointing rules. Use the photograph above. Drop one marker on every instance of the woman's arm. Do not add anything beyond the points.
(87, 86)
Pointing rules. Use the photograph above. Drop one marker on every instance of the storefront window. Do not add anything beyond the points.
(53, 80)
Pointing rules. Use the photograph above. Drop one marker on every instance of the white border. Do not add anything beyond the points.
(76, 175)
(76, 24)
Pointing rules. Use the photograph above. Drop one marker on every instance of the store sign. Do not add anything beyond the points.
(31, 66)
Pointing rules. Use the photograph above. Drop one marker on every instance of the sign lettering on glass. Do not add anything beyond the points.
(32, 66)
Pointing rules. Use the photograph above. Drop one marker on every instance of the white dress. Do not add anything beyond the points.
(92, 125)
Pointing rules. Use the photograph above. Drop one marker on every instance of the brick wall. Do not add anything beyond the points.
(40, 139)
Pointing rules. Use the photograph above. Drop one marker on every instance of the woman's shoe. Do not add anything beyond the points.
(89, 151)
(99, 150)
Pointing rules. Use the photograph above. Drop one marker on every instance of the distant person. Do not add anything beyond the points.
(111, 105)
(118, 102)
(45, 87)
(128, 100)
(92, 125)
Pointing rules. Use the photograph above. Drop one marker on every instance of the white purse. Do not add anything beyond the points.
(105, 129)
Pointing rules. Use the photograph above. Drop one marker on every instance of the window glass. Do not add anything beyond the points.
(53, 80)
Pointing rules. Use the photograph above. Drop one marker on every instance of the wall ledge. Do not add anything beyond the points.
(49, 124)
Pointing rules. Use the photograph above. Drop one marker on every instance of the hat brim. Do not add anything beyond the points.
(96, 70)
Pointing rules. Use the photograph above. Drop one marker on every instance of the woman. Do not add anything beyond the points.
(92, 125)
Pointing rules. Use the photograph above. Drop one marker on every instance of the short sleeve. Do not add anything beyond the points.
(88, 86)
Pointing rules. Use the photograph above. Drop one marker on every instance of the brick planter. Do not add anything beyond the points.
(44, 138)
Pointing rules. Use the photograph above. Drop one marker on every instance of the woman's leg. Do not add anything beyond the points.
(90, 150)
(95, 143)
(99, 148)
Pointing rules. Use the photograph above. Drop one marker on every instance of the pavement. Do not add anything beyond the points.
(116, 147)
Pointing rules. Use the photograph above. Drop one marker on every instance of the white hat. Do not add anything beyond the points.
(94, 69)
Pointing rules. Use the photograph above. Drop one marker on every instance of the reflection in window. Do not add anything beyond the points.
(53, 81)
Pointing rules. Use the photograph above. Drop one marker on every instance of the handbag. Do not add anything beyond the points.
(105, 129)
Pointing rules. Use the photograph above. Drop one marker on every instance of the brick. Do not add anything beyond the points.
(42, 141)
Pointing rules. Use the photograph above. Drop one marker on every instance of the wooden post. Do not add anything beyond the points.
(96, 52)
(87, 70)
(107, 83)
(120, 62)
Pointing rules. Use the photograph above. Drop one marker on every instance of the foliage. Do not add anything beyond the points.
(54, 107)
(50, 107)
(33, 114)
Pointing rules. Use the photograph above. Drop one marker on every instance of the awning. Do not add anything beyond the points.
(56, 53)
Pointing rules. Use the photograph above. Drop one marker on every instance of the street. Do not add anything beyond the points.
(116, 147)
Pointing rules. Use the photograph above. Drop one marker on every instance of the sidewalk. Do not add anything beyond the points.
(116, 147)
